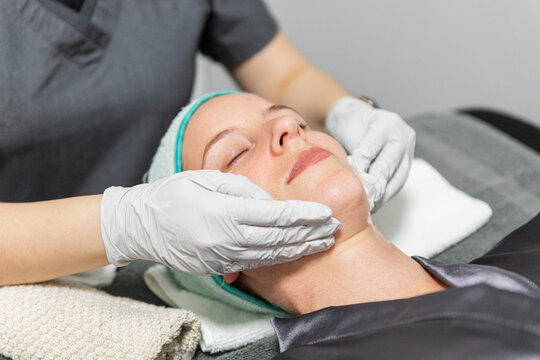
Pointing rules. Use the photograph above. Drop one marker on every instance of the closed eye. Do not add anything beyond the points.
(236, 158)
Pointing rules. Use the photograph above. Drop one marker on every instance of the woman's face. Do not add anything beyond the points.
(273, 146)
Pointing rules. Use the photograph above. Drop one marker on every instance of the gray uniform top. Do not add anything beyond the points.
(86, 96)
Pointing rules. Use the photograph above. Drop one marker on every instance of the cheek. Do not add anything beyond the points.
(331, 183)
(264, 175)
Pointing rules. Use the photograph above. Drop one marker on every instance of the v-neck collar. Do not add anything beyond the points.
(69, 14)
(80, 36)
(80, 21)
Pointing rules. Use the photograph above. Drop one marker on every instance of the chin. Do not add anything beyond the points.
(341, 190)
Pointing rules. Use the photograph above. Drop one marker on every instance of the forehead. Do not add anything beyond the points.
(214, 116)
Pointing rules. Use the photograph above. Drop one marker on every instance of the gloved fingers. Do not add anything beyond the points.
(353, 134)
(347, 121)
(294, 252)
(268, 237)
(283, 254)
(389, 159)
(230, 184)
(384, 168)
(281, 213)
(395, 184)
(243, 187)
(370, 147)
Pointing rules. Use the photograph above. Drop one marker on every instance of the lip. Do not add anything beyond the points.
(305, 159)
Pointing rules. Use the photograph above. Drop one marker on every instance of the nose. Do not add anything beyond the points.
(285, 130)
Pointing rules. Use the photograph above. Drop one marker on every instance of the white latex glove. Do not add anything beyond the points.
(209, 223)
(381, 144)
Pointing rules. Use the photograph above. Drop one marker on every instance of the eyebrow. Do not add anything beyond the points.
(268, 111)
(214, 140)
(276, 107)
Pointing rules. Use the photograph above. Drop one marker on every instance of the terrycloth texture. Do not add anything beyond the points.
(429, 214)
(101, 277)
(167, 160)
(52, 321)
(223, 327)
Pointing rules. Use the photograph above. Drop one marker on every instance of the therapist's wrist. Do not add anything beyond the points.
(369, 100)
(115, 221)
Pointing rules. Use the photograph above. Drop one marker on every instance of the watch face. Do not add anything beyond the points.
(369, 101)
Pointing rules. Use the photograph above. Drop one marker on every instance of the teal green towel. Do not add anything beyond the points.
(214, 287)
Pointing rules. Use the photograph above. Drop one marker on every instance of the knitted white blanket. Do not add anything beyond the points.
(52, 321)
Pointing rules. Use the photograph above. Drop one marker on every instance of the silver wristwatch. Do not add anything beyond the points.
(368, 100)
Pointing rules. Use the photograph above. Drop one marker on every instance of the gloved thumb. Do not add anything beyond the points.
(234, 185)
(371, 187)
(348, 116)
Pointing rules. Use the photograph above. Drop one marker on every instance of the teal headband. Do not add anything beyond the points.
(185, 119)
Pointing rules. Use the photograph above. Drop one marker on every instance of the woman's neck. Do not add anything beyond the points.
(362, 268)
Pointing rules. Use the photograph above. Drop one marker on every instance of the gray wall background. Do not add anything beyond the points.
(416, 56)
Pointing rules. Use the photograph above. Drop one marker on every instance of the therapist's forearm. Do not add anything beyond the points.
(44, 240)
(313, 93)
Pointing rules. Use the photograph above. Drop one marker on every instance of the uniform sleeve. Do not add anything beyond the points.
(236, 30)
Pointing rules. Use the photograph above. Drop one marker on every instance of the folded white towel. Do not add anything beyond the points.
(223, 327)
(51, 321)
(429, 214)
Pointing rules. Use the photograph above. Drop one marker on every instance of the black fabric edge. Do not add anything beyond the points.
(517, 128)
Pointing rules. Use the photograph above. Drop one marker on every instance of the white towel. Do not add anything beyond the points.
(223, 327)
(429, 214)
(52, 321)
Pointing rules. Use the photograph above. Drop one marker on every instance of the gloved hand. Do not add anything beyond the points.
(209, 223)
(381, 144)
